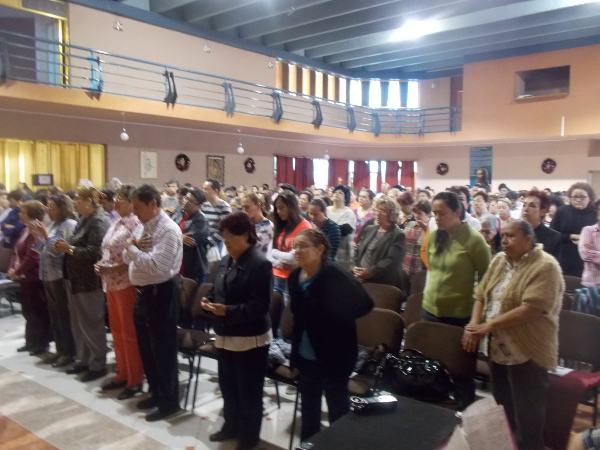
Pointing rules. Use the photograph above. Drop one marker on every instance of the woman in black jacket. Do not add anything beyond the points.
(326, 300)
(569, 220)
(239, 302)
(86, 299)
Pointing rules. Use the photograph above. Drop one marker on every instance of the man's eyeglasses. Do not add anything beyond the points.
(579, 197)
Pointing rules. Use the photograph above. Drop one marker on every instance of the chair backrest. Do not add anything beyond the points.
(286, 326)
(5, 255)
(380, 326)
(572, 283)
(444, 343)
(188, 286)
(197, 310)
(412, 310)
(578, 338)
(385, 296)
(417, 282)
(275, 311)
(569, 299)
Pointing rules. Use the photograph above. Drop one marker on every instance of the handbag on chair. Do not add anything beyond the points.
(415, 375)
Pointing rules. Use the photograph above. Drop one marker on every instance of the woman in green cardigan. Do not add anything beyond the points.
(458, 257)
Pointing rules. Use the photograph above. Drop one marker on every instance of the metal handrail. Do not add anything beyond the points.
(137, 78)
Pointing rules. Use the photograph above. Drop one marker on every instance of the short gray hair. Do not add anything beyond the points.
(391, 206)
(490, 220)
(525, 228)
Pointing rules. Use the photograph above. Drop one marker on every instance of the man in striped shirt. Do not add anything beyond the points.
(154, 260)
(316, 211)
(214, 209)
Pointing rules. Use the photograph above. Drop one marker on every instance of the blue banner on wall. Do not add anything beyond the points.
(481, 167)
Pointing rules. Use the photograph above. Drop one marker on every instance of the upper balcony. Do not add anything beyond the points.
(25, 58)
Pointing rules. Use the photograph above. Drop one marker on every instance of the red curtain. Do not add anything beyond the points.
(285, 170)
(304, 174)
(361, 175)
(338, 168)
(407, 177)
(391, 173)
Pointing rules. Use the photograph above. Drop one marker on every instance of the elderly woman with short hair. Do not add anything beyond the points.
(60, 212)
(380, 247)
(24, 267)
(490, 230)
(239, 303)
(517, 304)
(120, 295)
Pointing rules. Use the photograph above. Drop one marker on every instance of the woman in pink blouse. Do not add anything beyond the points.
(121, 297)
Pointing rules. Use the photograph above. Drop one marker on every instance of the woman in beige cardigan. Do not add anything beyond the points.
(515, 322)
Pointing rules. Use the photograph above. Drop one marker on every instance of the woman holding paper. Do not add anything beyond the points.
(515, 323)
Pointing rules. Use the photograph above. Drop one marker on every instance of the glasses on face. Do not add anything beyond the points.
(381, 211)
(579, 197)
(302, 247)
(189, 200)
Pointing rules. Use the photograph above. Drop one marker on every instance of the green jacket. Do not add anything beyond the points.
(453, 274)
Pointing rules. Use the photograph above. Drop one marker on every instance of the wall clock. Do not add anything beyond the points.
(442, 169)
(548, 166)
(182, 162)
(249, 165)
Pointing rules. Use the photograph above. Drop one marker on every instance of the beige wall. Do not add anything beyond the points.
(92, 28)
(434, 93)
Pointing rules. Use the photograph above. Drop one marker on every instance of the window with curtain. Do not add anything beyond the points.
(68, 162)
(394, 94)
(342, 93)
(412, 100)
(373, 175)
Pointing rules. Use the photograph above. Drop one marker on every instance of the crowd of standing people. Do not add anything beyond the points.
(494, 267)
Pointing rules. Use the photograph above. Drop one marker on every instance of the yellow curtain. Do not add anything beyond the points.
(68, 162)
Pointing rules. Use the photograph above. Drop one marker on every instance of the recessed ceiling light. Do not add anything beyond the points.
(414, 29)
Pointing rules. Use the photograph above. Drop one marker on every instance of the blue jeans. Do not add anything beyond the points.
(280, 285)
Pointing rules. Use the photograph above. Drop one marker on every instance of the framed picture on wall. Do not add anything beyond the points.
(215, 168)
(148, 165)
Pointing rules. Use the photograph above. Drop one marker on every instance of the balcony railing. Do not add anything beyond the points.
(37, 60)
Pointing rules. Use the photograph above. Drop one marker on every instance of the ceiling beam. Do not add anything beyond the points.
(251, 13)
(162, 6)
(368, 17)
(308, 15)
(203, 10)
(501, 48)
(481, 35)
(484, 17)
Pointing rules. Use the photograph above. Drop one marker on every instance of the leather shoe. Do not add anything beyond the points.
(129, 392)
(147, 403)
(77, 368)
(25, 348)
(220, 436)
(49, 357)
(157, 413)
(62, 361)
(94, 375)
(114, 384)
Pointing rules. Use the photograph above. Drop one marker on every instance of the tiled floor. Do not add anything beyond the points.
(70, 414)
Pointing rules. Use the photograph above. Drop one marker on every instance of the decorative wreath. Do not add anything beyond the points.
(249, 165)
(548, 165)
(442, 169)
(182, 162)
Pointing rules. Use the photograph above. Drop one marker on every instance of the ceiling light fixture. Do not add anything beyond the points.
(414, 29)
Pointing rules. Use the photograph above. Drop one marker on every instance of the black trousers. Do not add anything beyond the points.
(464, 390)
(522, 389)
(314, 379)
(155, 319)
(38, 332)
(60, 317)
(241, 377)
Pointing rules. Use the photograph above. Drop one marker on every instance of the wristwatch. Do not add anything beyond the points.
(71, 250)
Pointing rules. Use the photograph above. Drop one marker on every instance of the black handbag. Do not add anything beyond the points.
(414, 375)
